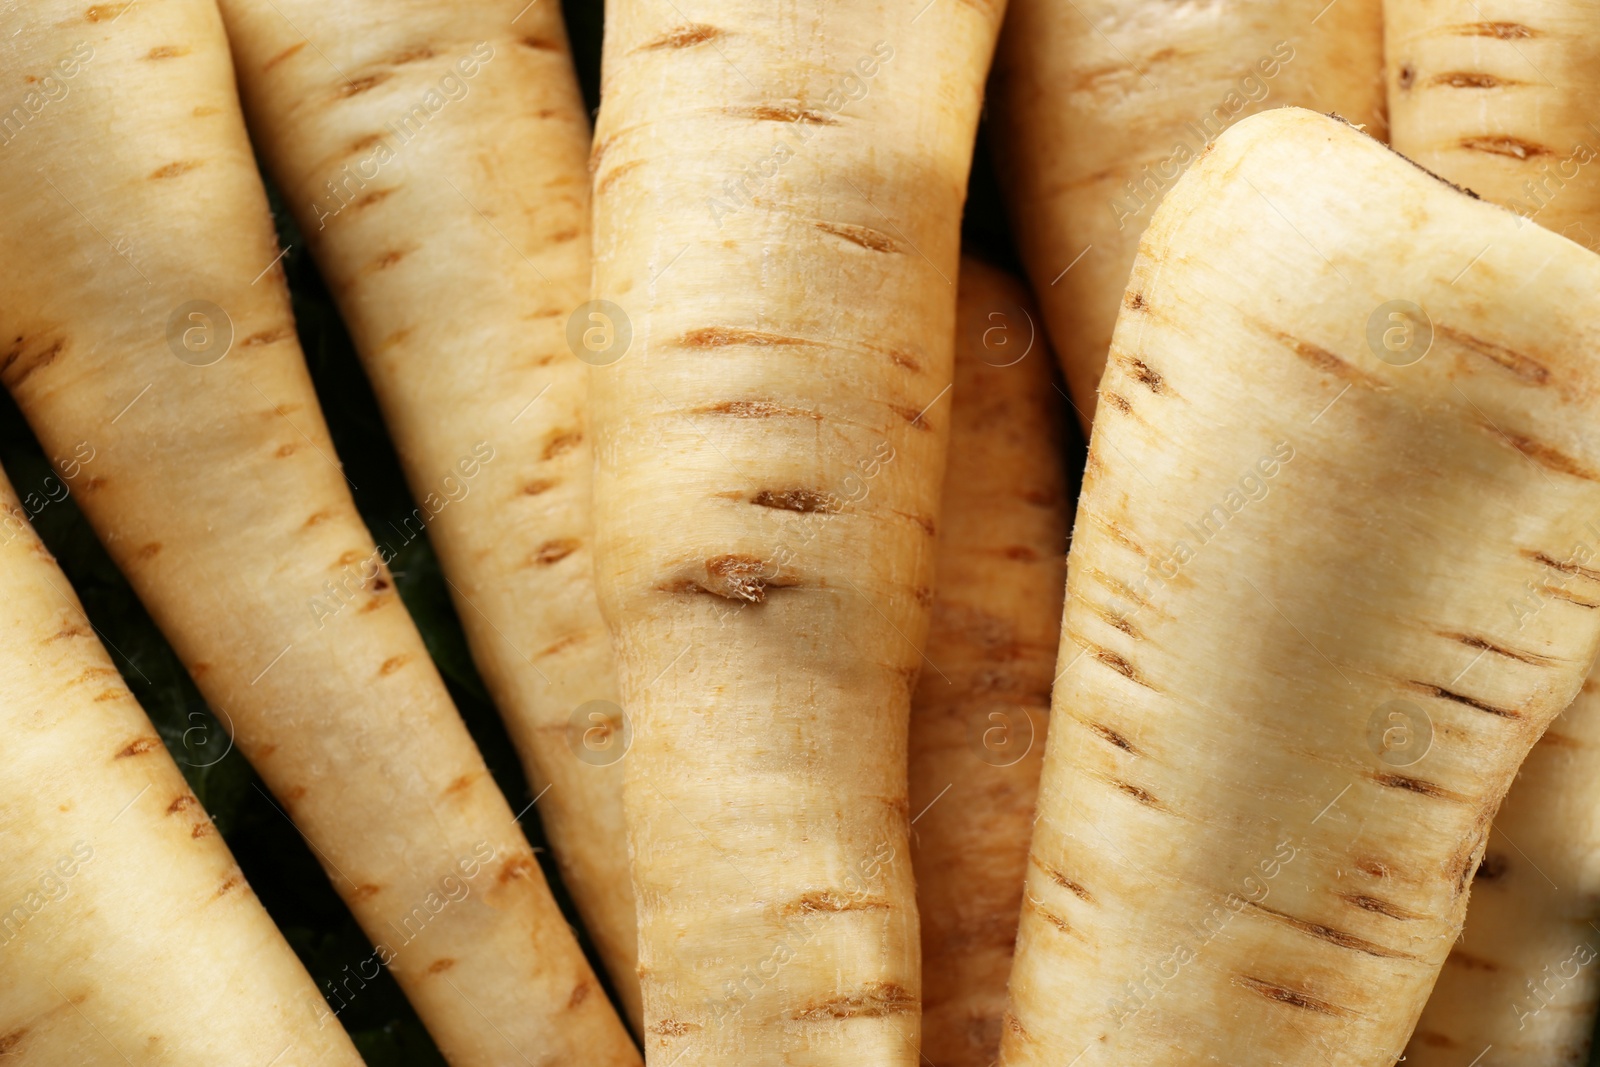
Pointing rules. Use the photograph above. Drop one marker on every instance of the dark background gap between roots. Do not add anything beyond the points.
(281, 869)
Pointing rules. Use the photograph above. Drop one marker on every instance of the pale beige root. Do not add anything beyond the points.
(1099, 107)
(1499, 96)
(127, 933)
(777, 200)
(1520, 986)
(460, 319)
(217, 491)
(1270, 774)
(980, 711)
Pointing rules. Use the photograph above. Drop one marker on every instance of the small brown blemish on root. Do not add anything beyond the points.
(317, 518)
(139, 747)
(105, 12)
(393, 663)
(10, 1041)
(167, 51)
(517, 867)
(1462, 79)
(283, 55)
(108, 695)
(172, 170)
(1373, 868)
(374, 197)
(1145, 376)
(1117, 401)
(539, 44)
(1293, 998)
(673, 1028)
(204, 829)
(755, 409)
(1505, 145)
(267, 337)
(562, 441)
(738, 577)
(1323, 360)
(411, 55)
(1484, 645)
(1111, 737)
(463, 783)
(362, 84)
(1330, 935)
(563, 236)
(43, 359)
(724, 336)
(439, 966)
(1529, 370)
(1505, 31)
(876, 1000)
(683, 37)
(1543, 454)
(148, 552)
(1116, 662)
(554, 551)
(1143, 796)
(1564, 567)
(1379, 906)
(611, 176)
(806, 501)
(364, 892)
(829, 901)
(1416, 785)
(580, 993)
(1562, 594)
(388, 259)
(865, 236)
(782, 113)
(1408, 76)
(264, 751)
(1471, 702)
(1134, 301)
(537, 486)
(70, 630)
(1075, 888)
(183, 803)
(233, 881)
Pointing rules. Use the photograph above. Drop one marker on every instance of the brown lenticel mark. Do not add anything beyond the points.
(204, 829)
(580, 993)
(539, 44)
(828, 901)
(876, 1000)
(1505, 31)
(1143, 796)
(724, 336)
(1415, 785)
(1484, 645)
(10, 1041)
(555, 551)
(1134, 301)
(1293, 998)
(1117, 401)
(167, 51)
(365, 891)
(139, 747)
(1379, 906)
(1567, 567)
(1145, 376)
(561, 442)
(683, 37)
(1118, 663)
(865, 236)
(388, 259)
(183, 803)
(1524, 367)
(537, 486)
(374, 197)
(1075, 888)
(393, 663)
(673, 1028)
(1471, 702)
(462, 784)
(805, 501)
(1468, 80)
(1505, 145)
(1408, 76)
(441, 965)
(267, 337)
(233, 881)
(1112, 737)
(517, 867)
(782, 113)
(172, 170)
(283, 55)
(1544, 455)
(1331, 935)
(362, 84)
(105, 12)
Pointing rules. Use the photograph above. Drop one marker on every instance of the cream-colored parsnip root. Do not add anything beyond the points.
(1099, 106)
(1338, 435)
(127, 933)
(777, 199)
(134, 242)
(979, 714)
(1502, 98)
(389, 138)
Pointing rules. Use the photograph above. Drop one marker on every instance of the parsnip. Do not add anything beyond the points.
(1270, 776)
(127, 933)
(1100, 106)
(979, 714)
(777, 197)
(460, 319)
(1500, 97)
(134, 242)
